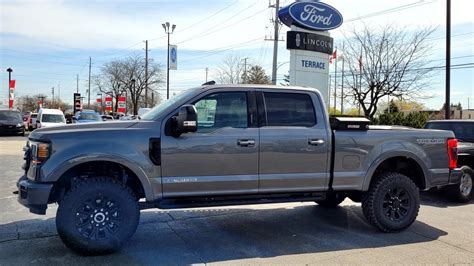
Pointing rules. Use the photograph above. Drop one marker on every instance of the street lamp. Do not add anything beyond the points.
(166, 27)
(9, 70)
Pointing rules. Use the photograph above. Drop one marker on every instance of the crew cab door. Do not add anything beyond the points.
(294, 142)
(221, 158)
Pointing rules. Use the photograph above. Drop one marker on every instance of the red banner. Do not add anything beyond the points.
(108, 104)
(11, 96)
(99, 103)
(122, 105)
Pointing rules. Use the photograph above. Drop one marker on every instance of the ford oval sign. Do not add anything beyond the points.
(311, 15)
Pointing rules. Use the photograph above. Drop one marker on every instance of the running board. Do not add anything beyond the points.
(196, 202)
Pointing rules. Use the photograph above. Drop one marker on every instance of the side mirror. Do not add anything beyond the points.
(186, 120)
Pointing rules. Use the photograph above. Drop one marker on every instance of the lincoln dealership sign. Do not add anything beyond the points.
(308, 41)
(311, 15)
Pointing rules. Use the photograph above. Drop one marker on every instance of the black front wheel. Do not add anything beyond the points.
(392, 202)
(97, 216)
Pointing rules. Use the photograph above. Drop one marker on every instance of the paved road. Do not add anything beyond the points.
(258, 234)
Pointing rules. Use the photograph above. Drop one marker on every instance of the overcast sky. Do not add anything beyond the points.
(48, 42)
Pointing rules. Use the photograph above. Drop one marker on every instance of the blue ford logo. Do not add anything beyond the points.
(173, 55)
(311, 15)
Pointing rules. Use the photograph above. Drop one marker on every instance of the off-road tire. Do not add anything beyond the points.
(392, 202)
(464, 191)
(97, 216)
(332, 200)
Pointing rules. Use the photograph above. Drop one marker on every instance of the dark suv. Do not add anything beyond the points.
(464, 131)
(11, 122)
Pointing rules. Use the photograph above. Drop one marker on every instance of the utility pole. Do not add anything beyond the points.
(52, 98)
(59, 92)
(89, 90)
(275, 43)
(447, 104)
(77, 83)
(335, 82)
(152, 98)
(342, 81)
(146, 73)
(245, 71)
(207, 69)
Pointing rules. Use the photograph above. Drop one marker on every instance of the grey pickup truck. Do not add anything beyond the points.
(218, 145)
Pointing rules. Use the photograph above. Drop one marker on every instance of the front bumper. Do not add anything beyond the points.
(455, 176)
(11, 130)
(33, 195)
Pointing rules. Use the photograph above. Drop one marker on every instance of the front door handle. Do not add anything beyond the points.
(316, 142)
(246, 142)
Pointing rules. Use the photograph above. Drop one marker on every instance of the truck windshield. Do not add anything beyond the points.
(90, 116)
(157, 110)
(52, 118)
(463, 131)
(10, 116)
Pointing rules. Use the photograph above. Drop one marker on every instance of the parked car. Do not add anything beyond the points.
(464, 132)
(32, 123)
(68, 118)
(107, 118)
(11, 123)
(86, 116)
(260, 144)
(50, 118)
(26, 120)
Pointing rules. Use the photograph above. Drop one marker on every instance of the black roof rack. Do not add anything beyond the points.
(211, 82)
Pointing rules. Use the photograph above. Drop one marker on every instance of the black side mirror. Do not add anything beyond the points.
(186, 120)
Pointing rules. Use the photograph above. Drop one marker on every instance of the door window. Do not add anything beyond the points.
(289, 109)
(225, 109)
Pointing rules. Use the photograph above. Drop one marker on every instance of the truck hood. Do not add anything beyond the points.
(80, 127)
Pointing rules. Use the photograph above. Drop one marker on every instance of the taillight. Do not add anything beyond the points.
(453, 153)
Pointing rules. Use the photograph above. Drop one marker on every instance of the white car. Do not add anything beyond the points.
(50, 118)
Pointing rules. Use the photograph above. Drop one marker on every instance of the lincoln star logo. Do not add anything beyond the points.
(298, 40)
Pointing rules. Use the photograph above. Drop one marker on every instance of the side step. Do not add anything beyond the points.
(195, 202)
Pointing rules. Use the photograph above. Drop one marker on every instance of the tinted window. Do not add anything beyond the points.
(11, 116)
(462, 130)
(218, 110)
(52, 118)
(89, 116)
(289, 109)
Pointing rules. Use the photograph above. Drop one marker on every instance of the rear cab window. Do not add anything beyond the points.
(289, 109)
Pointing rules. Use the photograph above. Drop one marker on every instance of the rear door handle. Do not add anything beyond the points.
(246, 142)
(316, 142)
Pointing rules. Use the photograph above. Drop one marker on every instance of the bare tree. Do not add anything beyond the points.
(231, 70)
(386, 62)
(127, 77)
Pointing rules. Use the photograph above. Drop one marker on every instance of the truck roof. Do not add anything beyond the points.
(258, 86)
(452, 121)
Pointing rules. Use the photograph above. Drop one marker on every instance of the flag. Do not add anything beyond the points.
(333, 57)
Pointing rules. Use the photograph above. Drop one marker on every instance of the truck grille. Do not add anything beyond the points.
(27, 157)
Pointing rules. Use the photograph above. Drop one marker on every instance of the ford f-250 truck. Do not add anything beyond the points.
(224, 145)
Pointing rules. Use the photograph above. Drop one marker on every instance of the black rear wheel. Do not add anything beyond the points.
(97, 216)
(463, 192)
(392, 202)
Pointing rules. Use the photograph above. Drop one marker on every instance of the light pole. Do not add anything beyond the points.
(134, 107)
(9, 70)
(166, 26)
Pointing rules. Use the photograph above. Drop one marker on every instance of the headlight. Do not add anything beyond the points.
(40, 151)
(19, 125)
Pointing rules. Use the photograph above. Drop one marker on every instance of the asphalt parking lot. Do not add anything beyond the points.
(296, 233)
